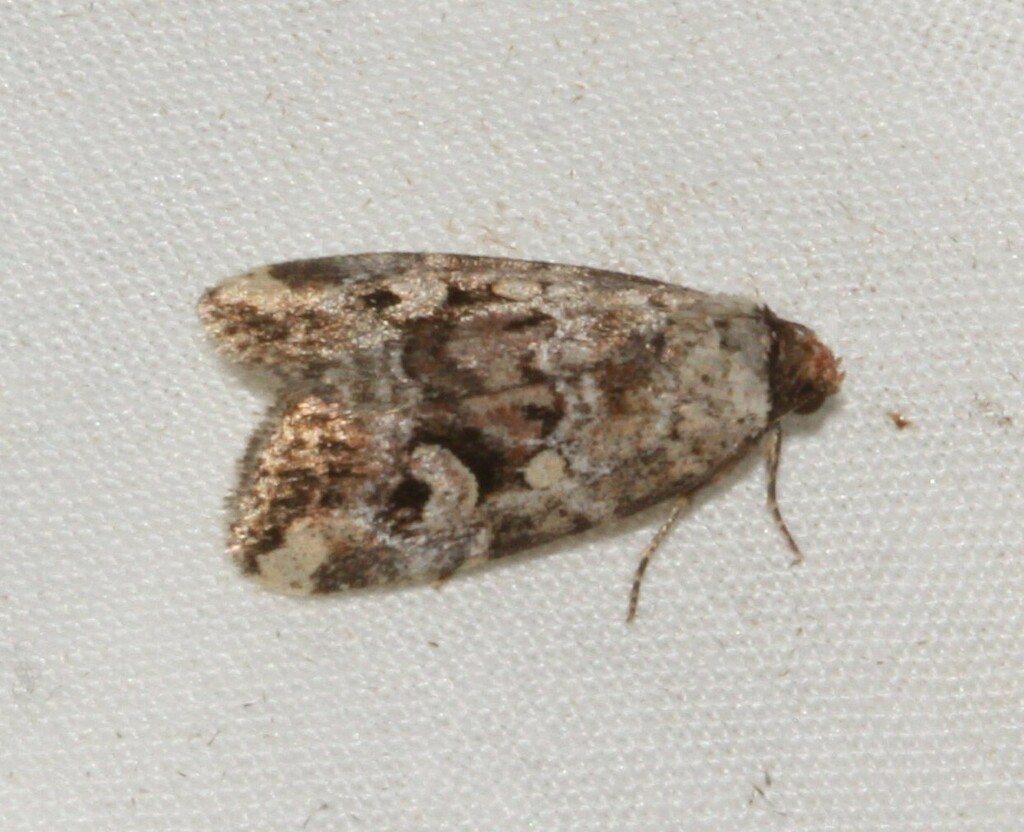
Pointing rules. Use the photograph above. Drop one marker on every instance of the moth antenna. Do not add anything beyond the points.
(773, 453)
(648, 553)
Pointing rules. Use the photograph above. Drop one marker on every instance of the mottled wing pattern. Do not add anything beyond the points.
(442, 410)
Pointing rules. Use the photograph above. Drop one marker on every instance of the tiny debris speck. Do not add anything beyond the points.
(900, 422)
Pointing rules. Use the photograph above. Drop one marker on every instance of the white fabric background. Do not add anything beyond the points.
(856, 165)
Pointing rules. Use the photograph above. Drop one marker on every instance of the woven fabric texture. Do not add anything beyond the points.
(857, 166)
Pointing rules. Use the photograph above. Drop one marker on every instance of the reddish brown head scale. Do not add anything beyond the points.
(804, 372)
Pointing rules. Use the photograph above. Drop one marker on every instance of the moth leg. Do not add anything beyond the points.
(773, 453)
(648, 553)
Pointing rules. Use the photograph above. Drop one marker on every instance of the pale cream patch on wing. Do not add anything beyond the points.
(419, 295)
(512, 289)
(290, 567)
(454, 490)
(545, 470)
(255, 284)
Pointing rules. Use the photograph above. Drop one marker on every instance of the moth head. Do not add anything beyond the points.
(803, 372)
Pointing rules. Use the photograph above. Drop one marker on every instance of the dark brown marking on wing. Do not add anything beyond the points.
(473, 448)
(314, 273)
(458, 296)
(362, 566)
(407, 501)
(380, 299)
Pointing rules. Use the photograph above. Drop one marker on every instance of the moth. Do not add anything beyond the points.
(437, 411)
